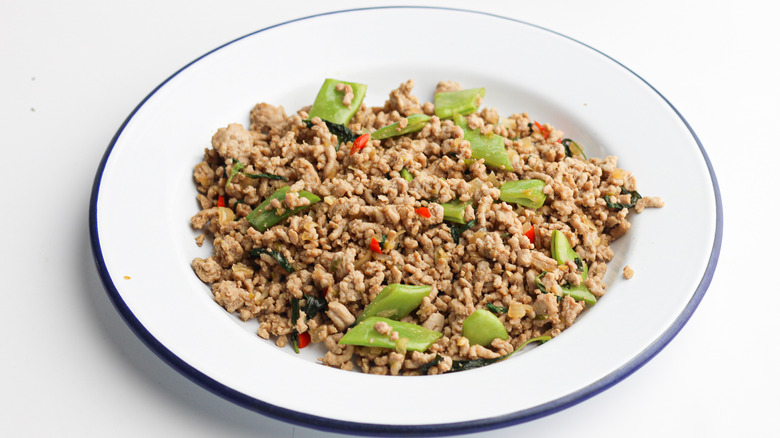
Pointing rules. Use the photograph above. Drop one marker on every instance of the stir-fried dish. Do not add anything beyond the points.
(409, 238)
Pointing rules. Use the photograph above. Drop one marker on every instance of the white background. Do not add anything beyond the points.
(73, 71)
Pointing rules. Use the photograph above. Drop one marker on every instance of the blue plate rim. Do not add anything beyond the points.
(356, 428)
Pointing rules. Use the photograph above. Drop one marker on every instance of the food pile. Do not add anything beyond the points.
(409, 238)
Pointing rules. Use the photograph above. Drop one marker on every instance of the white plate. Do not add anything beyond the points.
(143, 198)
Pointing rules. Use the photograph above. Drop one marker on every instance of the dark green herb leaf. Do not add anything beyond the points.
(456, 230)
(265, 175)
(572, 148)
(496, 309)
(635, 196)
(279, 257)
(462, 365)
(313, 306)
(295, 307)
(424, 369)
(343, 133)
(538, 281)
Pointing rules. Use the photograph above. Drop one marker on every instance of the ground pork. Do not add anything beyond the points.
(381, 219)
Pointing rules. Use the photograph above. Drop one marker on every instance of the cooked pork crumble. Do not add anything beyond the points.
(376, 217)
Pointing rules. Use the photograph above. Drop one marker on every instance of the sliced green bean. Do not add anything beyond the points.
(481, 327)
(526, 192)
(580, 293)
(449, 103)
(405, 174)
(264, 216)
(454, 211)
(415, 337)
(563, 253)
(489, 147)
(395, 301)
(329, 104)
(415, 122)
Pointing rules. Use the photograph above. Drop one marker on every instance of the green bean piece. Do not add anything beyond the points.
(481, 327)
(395, 301)
(264, 216)
(415, 337)
(563, 253)
(526, 192)
(415, 122)
(489, 147)
(454, 211)
(329, 104)
(449, 103)
(580, 293)
(405, 174)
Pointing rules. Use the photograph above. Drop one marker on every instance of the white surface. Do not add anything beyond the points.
(72, 73)
(179, 311)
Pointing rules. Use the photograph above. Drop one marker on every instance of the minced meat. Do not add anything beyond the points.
(365, 197)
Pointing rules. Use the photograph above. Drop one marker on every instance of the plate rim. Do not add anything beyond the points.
(436, 429)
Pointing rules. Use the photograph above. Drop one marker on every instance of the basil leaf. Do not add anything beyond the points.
(538, 281)
(496, 309)
(313, 306)
(343, 133)
(279, 257)
(294, 315)
(456, 230)
(265, 175)
(424, 369)
(462, 365)
(635, 196)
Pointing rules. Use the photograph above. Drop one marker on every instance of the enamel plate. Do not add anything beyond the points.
(143, 254)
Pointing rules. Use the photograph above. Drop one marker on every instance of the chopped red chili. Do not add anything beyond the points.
(375, 246)
(423, 211)
(531, 235)
(542, 129)
(221, 201)
(359, 143)
(304, 339)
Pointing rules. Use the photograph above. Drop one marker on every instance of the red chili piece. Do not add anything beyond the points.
(221, 201)
(359, 143)
(545, 132)
(531, 235)
(423, 211)
(304, 339)
(375, 246)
